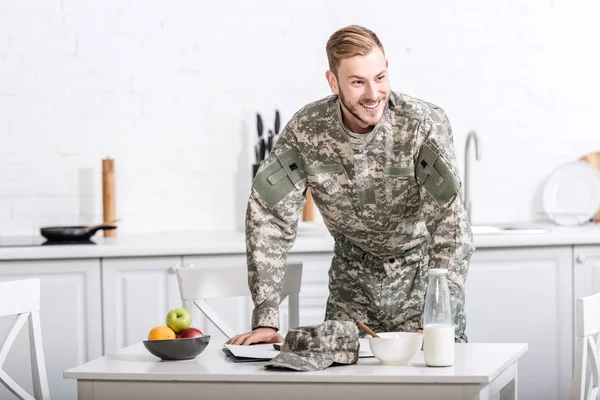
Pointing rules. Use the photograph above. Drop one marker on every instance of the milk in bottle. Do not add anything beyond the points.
(438, 328)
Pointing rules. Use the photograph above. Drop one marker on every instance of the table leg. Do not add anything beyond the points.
(504, 387)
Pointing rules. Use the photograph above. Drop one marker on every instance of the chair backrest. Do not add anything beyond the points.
(199, 283)
(587, 356)
(22, 298)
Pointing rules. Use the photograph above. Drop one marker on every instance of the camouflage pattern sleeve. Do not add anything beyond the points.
(275, 204)
(451, 239)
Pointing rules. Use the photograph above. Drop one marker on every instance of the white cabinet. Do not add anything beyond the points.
(137, 295)
(71, 321)
(586, 269)
(526, 295)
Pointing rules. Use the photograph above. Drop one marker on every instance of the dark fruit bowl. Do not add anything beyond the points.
(177, 349)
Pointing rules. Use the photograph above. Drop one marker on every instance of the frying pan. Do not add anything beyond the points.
(74, 233)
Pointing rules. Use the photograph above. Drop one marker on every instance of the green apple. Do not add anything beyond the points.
(179, 319)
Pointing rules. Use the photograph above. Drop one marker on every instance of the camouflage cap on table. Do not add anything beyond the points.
(316, 347)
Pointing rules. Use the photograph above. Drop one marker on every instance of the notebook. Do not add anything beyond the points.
(252, 353)
(265, 352)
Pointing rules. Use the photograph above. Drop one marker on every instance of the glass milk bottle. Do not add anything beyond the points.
(438, 327)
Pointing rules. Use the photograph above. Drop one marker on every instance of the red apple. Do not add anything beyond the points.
(189, 333)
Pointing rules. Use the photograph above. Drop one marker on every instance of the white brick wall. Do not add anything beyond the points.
(170, 90)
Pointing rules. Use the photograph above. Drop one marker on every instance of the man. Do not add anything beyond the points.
(381, 169)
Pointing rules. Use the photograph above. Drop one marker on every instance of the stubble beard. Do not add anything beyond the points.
(353, 109)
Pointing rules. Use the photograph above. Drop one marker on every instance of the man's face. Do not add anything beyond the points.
(363, 88)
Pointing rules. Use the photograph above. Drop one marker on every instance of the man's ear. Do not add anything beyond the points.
(332, 81)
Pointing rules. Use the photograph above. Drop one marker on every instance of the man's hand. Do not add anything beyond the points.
(258, 335)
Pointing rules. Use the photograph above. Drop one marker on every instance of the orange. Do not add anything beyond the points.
(161, 333)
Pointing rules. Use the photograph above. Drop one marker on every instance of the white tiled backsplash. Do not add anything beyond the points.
(170, 91)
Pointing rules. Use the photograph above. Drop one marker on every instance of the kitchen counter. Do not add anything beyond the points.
(105, 297)
(308, 241)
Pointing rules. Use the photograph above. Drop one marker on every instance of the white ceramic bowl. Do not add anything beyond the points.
(396, 348)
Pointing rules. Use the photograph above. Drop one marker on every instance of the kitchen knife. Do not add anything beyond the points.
(277, 122)
(262, 149)
(270, 141)
(259, 125)
(259, 146)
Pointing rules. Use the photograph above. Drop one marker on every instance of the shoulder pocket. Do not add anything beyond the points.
(435, 175)
(278, 179)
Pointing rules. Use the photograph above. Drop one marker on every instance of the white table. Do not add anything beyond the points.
(481, 371)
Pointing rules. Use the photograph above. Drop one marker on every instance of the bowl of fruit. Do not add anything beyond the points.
(177, 340)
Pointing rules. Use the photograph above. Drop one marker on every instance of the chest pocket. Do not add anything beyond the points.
(331, 189)
(327, 179)
(398, 184)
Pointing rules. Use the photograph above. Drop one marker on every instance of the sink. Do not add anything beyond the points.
(505, 230)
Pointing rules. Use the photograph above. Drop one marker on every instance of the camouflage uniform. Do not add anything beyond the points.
(390, 199)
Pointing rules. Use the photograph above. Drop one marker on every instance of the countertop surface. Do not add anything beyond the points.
(310, 239)
(474, 363)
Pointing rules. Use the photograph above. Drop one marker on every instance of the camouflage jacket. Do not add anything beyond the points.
(393, 190)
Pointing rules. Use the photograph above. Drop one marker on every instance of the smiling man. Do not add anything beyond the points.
(381, 169)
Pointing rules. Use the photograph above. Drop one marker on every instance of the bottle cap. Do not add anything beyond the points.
(438, 271)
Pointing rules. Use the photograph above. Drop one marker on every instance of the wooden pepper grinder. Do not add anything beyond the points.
(308, 212)
(108, 194)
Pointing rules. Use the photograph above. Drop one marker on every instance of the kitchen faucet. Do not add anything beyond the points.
(472, 136)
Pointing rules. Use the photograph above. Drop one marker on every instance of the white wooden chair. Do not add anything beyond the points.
(587, 344)
(22, 298)
(199, 283)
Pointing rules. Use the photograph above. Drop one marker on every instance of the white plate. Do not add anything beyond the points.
(571, 194)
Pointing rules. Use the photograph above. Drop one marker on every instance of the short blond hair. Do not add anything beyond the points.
(350, 41)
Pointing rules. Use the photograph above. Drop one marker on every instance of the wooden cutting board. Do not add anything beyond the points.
(594, 159)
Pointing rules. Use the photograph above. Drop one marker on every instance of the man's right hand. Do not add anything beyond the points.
(258, 335)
